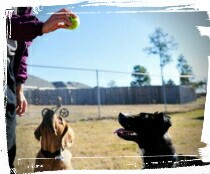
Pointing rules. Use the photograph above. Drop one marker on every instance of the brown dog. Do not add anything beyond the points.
(55, 136)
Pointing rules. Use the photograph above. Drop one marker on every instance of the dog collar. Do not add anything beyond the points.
(56, 154)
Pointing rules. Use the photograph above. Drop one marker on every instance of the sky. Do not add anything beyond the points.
(113, 39)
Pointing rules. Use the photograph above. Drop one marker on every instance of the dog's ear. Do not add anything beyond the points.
(156, 113)
(164, 122)
(67, 137)
(37, 133)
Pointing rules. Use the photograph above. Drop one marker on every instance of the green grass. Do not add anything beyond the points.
(100, 148)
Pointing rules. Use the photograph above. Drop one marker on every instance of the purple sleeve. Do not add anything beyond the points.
(22, 71)
(25, 28)
(21, 75)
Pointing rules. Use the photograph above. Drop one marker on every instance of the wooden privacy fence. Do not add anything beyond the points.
(111, 96)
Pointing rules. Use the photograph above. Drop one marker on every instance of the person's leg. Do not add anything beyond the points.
(11, 106)
(11, 136)
(12, 154)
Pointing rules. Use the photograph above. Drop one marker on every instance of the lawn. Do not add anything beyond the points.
(96, 147)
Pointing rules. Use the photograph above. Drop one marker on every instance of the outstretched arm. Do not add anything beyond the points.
(28, 27)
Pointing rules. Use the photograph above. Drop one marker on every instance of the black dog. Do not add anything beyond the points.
(149, 131)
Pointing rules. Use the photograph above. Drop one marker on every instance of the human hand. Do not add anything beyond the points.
(22, 104)
(58, 20)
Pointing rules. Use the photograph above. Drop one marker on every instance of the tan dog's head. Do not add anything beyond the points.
(54, 132)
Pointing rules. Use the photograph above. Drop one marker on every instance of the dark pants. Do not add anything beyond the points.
(11, 107)
(11, 126)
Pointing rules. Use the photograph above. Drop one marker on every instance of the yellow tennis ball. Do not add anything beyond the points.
(75, 23)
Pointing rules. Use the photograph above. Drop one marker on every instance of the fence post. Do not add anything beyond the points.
(98, 94)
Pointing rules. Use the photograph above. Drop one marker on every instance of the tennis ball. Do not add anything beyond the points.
(75, 23)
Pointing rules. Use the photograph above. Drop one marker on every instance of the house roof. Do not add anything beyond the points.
(36, 82)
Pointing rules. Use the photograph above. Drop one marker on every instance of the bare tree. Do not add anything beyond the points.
(161, 45)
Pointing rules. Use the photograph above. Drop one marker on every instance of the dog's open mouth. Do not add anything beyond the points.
(125, 134)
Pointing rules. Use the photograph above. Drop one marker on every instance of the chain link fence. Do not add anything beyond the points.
(86, 102)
